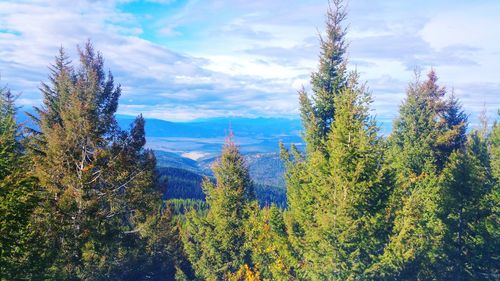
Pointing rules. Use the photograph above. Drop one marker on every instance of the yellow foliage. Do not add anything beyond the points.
(244, 274)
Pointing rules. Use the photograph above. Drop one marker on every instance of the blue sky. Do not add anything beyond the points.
(182, 60)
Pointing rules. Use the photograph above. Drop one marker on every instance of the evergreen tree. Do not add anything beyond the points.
(494, 150)
(328, 81)
(469, 245)
(98, 181)
(490, 226)
(164, 255)
(317, 114)
(428, 130)
(21, 253)
(452, 126)
(337, 215)
(351, 202)
(217, 244)
(272, 254)
(300, 200)
(336, 192)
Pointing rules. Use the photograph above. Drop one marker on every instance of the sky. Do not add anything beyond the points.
(188, 59)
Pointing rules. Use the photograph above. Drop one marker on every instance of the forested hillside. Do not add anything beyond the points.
(82, 198)
(182, 177)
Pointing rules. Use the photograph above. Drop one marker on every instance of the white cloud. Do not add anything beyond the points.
(212, 58)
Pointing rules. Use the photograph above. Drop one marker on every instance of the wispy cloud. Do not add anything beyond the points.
(185, 59)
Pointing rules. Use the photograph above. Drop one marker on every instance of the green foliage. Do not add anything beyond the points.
(80, 198)
(21, 253)
(337, 203)
(180, 183)
(272, 254)
(184, 206)
(327, 82)
(427, 131)
(416, 241)
(494, 147)
(268, 195)
(307, 177)
(216, 244)
(350, 203)
(336, 193)
(97, 180)
(470, 245)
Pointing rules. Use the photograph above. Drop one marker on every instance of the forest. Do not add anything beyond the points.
(82, 198)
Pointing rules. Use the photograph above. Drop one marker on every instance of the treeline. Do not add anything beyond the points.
(183, 206)
(80, 198)
(180, 183)
(187, 185)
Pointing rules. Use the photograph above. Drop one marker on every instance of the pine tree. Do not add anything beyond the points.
(428, 130)
(317, 114)
(98, 181)
(494, 150)
(328, 81)
(487, 259)
(492, 202)
(335, 192)
(351, 202)
(163, 255)
(338, 212)
(217, 244)
(469, 246)
(272, 254)
(21, 254)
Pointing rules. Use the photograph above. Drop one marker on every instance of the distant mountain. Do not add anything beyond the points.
(203, 138)
(217, 127)
(264, 168)
(169, 159)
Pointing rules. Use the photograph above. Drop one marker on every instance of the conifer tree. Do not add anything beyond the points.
(272, 254)
(21, 253)
(494, 150)
(492, 202)
(469, 244)
(317, 114)
(427, 131)
(98, 181)
(335, 192)
(328, 81)
(217, 244)
(345, 193)
(351, 202)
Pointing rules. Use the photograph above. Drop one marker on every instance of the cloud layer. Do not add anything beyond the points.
(181, 60)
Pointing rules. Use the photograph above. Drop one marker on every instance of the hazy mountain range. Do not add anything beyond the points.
(204, 138)
(193, 146)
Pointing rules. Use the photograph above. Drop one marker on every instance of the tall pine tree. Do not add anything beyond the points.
(98, 181)
(328, 81)
(427, 131)
(217, 244)
(21, 252)
(466, 205)
(350, 205)
(335, 192)
(317, 114)
(338, 212)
